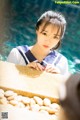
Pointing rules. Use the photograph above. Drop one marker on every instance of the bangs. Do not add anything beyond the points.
(57, 23)
(54, 22)
(55, 18)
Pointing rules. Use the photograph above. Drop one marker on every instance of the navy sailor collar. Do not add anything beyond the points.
(49, 58)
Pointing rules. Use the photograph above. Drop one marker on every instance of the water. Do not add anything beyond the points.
(21, 19)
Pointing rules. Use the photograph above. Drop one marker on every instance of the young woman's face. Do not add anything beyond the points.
(49, 36)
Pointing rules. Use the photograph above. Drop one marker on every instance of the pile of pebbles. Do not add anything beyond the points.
(34, 104)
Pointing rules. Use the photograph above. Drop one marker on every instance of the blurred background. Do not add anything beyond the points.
(17, 27)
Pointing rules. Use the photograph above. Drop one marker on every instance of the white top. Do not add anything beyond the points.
(59, 60)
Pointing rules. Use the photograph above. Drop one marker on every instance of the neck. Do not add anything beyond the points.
(39, 52)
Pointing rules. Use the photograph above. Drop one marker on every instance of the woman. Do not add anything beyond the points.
(50, 29)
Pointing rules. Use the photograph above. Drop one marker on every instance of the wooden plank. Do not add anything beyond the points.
(25, 80)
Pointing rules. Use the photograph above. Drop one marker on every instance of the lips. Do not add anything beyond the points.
(46, 46)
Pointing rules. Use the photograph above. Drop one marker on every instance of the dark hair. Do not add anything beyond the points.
(54, 18)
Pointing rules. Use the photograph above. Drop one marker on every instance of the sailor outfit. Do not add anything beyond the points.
(22, 55)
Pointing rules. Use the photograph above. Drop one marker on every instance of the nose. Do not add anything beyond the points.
(49, 39)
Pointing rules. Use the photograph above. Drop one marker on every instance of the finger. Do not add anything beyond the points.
(32, 65)
(40, 67)
(53, 70)
(36, 66)
(48, 66)
(56, 70)
(48, 69)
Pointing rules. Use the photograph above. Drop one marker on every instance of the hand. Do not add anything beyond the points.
(52, 69)
(36, 66)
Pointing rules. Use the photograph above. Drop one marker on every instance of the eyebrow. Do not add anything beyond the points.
(44, 31)
(57, 34)
(54, 34)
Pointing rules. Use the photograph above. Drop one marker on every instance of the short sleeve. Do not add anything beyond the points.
(63, 66)
(13, 56)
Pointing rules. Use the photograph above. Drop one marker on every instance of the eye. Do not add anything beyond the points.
(56, 37)
(44, 33)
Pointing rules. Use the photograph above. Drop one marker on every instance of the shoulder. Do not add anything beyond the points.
(23, 48)
(13, 55)
(14, 51)
(62, 57)
(61, 60)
